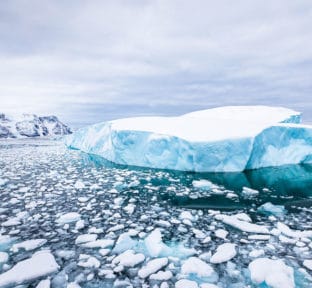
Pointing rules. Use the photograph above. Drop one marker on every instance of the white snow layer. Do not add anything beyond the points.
(194, 265)
(274, 273)
(222, 139)
(224, 253)
(40, 264)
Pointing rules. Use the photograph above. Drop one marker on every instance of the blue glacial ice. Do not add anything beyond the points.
(224, 139)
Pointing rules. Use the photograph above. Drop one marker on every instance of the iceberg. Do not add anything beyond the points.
(224, 139)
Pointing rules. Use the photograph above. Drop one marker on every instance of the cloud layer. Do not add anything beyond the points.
(85, 59)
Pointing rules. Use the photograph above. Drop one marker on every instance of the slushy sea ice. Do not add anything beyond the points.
(224, 139)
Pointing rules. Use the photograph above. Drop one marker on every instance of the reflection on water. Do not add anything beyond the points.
(289, 185)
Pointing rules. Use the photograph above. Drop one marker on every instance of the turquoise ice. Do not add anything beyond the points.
(225, 139)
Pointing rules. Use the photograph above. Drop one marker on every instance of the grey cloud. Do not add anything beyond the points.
(65, 57)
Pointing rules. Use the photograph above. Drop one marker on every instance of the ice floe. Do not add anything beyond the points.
(152, 266)
(274, 273)
(69, 218)
(242, 225)
(224, 253)
(42, 263)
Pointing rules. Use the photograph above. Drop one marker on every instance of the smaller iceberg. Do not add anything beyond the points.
(224, 139)
(152, 246)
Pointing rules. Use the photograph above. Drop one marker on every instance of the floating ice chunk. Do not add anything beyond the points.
(307, 264)
(118, 201)
(11, 222)
(122, 283)
(134, 184)
(152, 266)
(204, 184)
(116, 228)
(186, 215)
(129, 208)
(88, 261)
(283, 228)
(243, 217)
(41, 264)
(256, 253)
(231, 195)
(154, 245)
(161, 276)
(164, 284)
(79, 185)
(94, 230)
(206, 240)
(85, 238)
(95, 187)
(221, 233)
(274, 273)
(104, 252)
(73, 285)
(163, 223)
(128, 259)
(196, 266)
(101, 243)
(80, 224)
(199, 234)
(68, 218)
(270, 209)
(22, 215)
(4, 257)
(23, 189)
(5, 242)
(14, 201)
(259, 237)
(83, 199)
(249, 192)
(123, 243)
(29, 245)
(44, 284)
(107, 273)
(242, 225)
(225, 252)
(183, 283)
(65, 254)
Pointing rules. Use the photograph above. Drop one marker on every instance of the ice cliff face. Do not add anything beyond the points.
(222, 139)
(30, 125)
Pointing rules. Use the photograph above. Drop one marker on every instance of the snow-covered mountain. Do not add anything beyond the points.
(31, 125)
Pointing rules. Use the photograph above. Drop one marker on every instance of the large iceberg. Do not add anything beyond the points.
(224, 139)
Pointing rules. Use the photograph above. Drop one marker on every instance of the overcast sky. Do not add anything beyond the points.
(88, 61)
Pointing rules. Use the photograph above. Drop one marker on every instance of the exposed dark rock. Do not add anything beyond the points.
(59, 128)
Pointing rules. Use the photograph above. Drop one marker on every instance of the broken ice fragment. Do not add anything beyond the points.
(274, 273)
(42, 263)
(224, 253)
(68, 218)
(152, 266)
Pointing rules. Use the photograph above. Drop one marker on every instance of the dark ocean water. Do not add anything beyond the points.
(41, 181)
